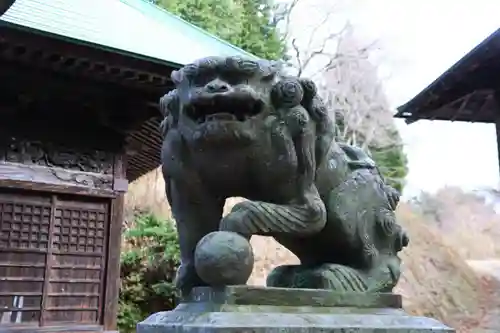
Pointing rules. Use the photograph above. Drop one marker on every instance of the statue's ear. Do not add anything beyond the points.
(169, 108)
(169, 104)
(176, 77)
(268, 69)
(275, 66)
(163, 106)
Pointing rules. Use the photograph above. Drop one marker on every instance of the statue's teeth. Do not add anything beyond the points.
(220, 116)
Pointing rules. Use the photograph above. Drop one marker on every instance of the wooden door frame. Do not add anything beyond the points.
(117, 203)
(106, 316)
(111, 280)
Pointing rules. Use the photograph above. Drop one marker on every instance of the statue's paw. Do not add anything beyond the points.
(234, 221)
(240, 206)
(265, 218)
(187, 278)
(242, 219)
(338, 277)
(327, 276)
(284, 276)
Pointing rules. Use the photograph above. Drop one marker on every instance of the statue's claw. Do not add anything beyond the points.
(187, 278)
(263, 218)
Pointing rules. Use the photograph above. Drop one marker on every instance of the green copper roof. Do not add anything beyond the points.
(134, 26)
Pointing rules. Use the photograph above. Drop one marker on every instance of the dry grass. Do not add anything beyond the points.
(470, 226)
(148, 193)
(436, 281)
(475, 243)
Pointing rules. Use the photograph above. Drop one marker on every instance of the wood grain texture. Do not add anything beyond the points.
(114, 244)
(55, 180)
(54, 329)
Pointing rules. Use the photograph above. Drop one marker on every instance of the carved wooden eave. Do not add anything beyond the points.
(105, 56)
(43, 166)
(465, 92)
(93, 81)
(16, 175)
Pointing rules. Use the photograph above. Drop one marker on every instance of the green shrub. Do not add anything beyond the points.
(149, 260)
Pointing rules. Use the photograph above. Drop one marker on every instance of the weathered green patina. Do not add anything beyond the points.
(239, 127)
(270, 310)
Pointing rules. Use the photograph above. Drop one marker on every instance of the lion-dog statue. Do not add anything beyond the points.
(239, 127)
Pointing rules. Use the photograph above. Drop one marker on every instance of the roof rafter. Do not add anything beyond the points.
(469, 85)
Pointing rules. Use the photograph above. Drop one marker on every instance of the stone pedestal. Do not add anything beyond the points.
(272, 310)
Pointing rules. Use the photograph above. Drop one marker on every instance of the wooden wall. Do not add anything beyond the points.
(61, 211)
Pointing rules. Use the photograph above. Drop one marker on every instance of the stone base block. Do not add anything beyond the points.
(245, 309)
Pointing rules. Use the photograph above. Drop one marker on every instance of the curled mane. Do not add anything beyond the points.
(170, 109)
(325, 131)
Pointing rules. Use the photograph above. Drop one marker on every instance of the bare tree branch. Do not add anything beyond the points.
(316, 28)
(282, 14)
(297, 57)
(321, 51)
(347, 80)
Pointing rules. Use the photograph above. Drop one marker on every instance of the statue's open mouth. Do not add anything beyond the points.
(224, 107)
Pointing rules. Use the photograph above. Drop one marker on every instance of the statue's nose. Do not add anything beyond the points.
(217, 86)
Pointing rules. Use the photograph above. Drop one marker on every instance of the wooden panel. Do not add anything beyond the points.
(78, 262)
(113, 263)
(24, 237)
(55, 329)
(53, 253)
(24, 222)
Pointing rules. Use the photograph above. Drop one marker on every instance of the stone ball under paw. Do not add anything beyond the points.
(224, 258)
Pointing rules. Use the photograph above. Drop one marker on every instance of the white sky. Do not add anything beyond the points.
(420, 39)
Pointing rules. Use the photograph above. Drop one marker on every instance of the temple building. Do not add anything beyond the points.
(80, 82)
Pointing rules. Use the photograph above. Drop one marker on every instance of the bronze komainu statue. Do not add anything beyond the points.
(237, 127)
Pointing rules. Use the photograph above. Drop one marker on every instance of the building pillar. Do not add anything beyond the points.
(497, 126)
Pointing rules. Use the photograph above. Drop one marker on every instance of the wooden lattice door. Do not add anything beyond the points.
(52, 259)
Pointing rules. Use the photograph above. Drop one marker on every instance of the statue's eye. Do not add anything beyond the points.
(268, 77)
(200, 80)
